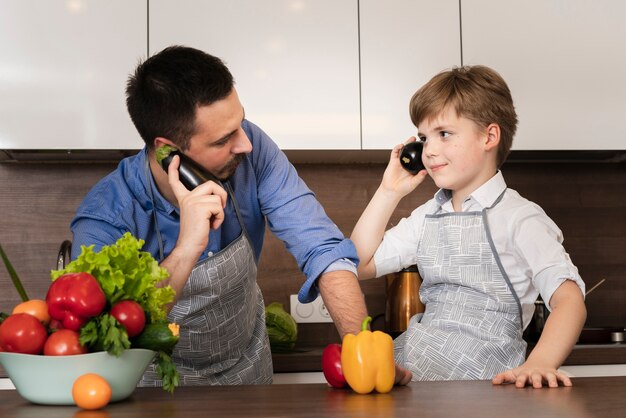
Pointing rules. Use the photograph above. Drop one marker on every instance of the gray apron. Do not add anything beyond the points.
(472, 324)
(221, 314)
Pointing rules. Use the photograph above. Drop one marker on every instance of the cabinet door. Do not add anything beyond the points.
(295, 63)
(404, 43)
(564, 62)
(63, 73)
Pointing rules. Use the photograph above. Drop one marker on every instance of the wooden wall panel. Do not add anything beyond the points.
(586, 200)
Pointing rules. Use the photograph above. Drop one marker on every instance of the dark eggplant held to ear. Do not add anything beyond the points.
(190, 173)
(411, 157)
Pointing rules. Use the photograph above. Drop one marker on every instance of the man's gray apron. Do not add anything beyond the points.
(221, 314)
(472, 325)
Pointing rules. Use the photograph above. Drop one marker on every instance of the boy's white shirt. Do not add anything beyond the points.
(527, 241)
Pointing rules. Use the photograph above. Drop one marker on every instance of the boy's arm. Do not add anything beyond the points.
(370, 228)
(558, 337)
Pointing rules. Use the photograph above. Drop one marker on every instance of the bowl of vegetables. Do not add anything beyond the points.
(103, 322)
(49, 379)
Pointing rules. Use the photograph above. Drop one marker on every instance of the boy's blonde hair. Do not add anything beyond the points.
(475, 92)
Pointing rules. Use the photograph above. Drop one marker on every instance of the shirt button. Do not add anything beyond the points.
(210, 253)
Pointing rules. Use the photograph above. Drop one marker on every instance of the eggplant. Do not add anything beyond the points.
(190, 173)
(411, 157)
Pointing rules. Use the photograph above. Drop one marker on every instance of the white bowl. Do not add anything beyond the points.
(48, 379)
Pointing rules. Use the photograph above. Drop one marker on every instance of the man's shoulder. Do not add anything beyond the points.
(114, 195)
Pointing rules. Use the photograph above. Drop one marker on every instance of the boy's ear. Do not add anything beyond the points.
(493, 136)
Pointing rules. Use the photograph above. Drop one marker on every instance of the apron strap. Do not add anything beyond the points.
(231, 194)
(505, 276)
(150, 183)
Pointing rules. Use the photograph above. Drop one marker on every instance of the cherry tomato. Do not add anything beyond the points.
(63, 342)
(91, 391)
(131, 315)
(22, 333)
(35, 307)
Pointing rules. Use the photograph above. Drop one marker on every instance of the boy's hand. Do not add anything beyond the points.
(396, 179)
(534, 376)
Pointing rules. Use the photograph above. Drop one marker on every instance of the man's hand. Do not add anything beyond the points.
(403, 376)
(201, 210)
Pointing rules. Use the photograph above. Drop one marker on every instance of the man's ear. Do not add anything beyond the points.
(493, 136)
(159, 141)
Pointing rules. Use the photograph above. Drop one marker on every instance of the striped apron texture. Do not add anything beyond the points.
(221, 313)
(471, 328)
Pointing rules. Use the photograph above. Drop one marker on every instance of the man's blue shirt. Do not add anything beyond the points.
(266, 187)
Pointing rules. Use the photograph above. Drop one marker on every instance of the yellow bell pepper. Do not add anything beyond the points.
(367, 360)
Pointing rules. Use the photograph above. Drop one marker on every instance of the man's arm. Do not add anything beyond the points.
(344, 300)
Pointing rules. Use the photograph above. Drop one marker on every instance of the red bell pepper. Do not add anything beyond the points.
(73, 298)
(331, 366)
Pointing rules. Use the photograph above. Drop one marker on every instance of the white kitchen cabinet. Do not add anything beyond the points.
(63, 72)
(404, 43)
(295, 62)
(564, 61)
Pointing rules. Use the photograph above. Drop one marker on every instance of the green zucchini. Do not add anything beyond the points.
(156, 336)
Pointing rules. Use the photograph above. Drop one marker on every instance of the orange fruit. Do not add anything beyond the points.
(91, 391)
(35, 307)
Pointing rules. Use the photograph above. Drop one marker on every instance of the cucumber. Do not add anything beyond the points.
(157, 336)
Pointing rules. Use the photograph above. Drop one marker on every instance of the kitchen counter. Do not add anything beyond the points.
(588, 397)
(310, 359)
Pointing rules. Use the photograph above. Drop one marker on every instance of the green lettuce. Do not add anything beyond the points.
(282, 329)
(125, 272)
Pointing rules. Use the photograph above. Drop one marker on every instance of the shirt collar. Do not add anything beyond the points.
(485, 196)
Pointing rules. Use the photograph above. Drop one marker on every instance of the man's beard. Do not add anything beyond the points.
(230, 167)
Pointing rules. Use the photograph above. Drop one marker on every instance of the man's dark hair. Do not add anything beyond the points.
(166, 89)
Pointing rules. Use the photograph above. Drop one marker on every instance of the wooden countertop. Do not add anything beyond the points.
(589, 397)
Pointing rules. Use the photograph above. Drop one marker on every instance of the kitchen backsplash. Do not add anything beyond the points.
(587, 200)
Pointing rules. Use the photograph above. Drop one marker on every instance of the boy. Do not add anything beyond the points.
(483, 251)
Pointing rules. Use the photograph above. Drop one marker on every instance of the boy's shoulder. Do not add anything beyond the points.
(519, 210)
(515, 201)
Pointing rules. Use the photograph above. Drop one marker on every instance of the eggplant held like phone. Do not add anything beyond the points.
(190, 173)
(411, 157)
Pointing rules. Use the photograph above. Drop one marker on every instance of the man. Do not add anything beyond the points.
(210, 238)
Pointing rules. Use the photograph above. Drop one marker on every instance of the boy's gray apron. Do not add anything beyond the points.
(472, 325)
(221, 314)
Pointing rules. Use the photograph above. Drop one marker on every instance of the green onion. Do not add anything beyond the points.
(14, 277)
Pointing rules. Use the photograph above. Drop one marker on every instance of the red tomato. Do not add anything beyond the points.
(131, 315)
(22, 333)
(63, 342)
(35, 307)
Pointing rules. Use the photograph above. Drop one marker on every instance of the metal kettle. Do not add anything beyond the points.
(403, 300)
